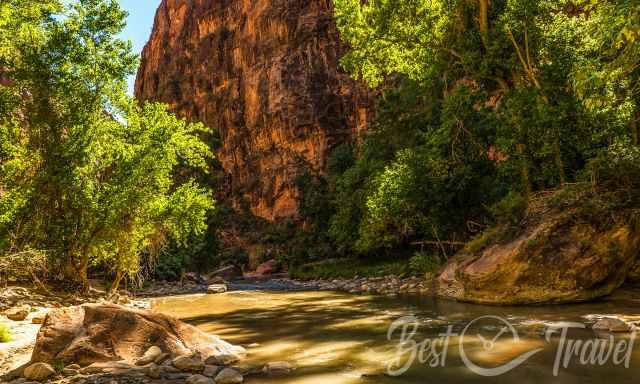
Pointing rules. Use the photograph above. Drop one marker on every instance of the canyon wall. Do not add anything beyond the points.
(266, 75)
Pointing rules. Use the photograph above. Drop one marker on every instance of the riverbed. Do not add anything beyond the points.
(340, 338)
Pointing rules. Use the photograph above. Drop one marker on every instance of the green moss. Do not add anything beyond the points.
(5, 334)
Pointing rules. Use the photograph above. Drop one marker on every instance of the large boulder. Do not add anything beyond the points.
(108, 332)
(558, 254)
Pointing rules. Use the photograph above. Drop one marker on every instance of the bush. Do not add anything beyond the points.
(5, 334)
(422, 263)
(510, 210)
(618, 166)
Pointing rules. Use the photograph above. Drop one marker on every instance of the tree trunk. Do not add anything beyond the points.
(483, 19)
(116, 282)
(524, 172)
(557, 154)
(633, 126)
(83, 273)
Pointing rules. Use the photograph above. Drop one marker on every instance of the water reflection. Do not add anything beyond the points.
(338, 338)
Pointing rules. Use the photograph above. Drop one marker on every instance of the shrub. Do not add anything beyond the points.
(618, 166)
(5, 334)
(511, 209)
(422, 263)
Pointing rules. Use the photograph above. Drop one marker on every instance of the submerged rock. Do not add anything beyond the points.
(277, 367)
(611, 324)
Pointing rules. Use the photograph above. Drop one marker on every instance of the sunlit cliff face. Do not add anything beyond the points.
(264, 73)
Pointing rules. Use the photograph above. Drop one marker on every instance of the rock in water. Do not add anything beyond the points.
(611, 324)
(216, 288)
(18, 313)
(224, 359)
(277, 367)
(108, 332)
(199, 379)
(266, 74)
(188, 363)
(229, 376)
(39, 371)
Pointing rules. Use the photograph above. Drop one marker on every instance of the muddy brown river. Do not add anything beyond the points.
(339, 338)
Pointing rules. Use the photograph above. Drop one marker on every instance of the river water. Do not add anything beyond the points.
(337, 338)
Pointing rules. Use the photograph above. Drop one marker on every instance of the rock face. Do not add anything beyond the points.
(264, 73)
(106, 333)
(557, 255)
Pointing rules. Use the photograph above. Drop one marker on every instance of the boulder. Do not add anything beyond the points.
(188, 363)
(229, 376)
(555, 255)
(217, 288)
(150, 356)
(611, 324)
(199, 379)
(107, 332)
(18, 313)
(39, 371)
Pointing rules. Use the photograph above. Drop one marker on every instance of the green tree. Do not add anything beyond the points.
(86, 174)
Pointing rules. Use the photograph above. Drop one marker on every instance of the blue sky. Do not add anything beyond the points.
(139, 24)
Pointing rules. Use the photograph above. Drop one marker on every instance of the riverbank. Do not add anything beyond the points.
(386, 285)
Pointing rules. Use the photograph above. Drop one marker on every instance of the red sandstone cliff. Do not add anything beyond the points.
(265, 73)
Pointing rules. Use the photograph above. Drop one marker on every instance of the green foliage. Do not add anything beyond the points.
(483, 104)
(349, 268)
(58, 365)
(5, 333)
(422, 263)
(510, 210)
(618, 166)
(88, 175)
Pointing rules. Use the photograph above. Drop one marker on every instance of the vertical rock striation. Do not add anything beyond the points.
(265, 73)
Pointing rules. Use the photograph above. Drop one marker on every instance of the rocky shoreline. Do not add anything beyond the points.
(388, 285)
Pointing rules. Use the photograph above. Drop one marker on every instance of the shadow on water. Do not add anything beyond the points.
(335, 338)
